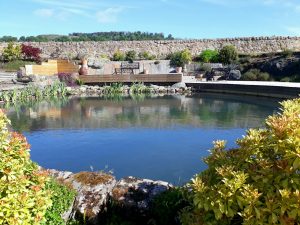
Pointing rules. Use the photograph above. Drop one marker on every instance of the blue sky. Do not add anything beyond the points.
(182, 18)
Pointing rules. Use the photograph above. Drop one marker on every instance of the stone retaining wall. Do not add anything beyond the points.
(250, 45)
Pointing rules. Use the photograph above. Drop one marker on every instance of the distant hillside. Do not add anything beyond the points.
(97, 36)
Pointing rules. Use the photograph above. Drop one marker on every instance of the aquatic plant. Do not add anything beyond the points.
(34, 93)
(139, 88)
(114, 88)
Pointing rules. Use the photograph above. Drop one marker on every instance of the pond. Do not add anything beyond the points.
(162, 137)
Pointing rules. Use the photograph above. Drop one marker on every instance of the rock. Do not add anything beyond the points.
(179, 85)
(235, 75)
(93, 191)
(97, 63)
(42, 81)
(134, 195)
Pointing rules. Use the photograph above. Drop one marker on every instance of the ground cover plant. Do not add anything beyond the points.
(256, 183)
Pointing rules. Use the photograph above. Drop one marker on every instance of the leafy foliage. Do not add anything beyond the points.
(130, 56)
(68, 79)
(209, 56)
(287, 53)
(31, 53)
(23, 195)
(257, 183)
(12, 52)
(118, 56)
(62, 198)
(146, 56)
(31, 93)
(228, 54)
(166, 206)
(97, 36)
(255, 75)
(179, 59)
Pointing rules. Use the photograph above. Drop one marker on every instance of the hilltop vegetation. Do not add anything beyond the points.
(97, 36)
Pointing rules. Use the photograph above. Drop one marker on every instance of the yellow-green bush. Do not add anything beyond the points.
(23, 195)
(256, 183)
(12, 52)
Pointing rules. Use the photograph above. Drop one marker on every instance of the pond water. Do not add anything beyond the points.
(150, 137)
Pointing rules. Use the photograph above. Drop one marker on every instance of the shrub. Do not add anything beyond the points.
(179, 59)
(130, 56)
(263, 76)
(209, 56)
(31, 53)
(62, 198)
(287, 53)
(255, 75)
(68, 79)
(258, 182)
(23, 195)
(228, 54)
(205, 68)
(118, 56)
(166, 206)
(12, 52)
(146, 56)
(286, 79)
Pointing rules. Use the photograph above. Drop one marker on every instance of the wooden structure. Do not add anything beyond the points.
(52, 67)
(127, 68)
(145, 78)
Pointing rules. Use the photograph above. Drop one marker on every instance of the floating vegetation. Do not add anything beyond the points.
(34, 93)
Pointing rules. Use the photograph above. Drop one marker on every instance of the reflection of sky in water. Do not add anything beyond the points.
(158, 138)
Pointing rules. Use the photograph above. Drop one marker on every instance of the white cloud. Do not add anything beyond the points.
(109, 15)
(44, 12)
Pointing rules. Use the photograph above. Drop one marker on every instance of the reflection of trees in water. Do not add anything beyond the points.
(201, 111)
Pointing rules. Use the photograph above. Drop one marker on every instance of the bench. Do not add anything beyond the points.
(127, 68)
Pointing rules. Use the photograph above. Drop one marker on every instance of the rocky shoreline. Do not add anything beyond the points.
(85, 90)
(95, 190)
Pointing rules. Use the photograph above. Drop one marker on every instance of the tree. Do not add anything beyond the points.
(228, 54)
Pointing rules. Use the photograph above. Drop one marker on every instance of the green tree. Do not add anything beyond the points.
(228, 54)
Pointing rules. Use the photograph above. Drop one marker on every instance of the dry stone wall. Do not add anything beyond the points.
(252, 45)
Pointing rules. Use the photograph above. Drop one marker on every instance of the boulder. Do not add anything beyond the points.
(97, 63)
(179, 85)
(235, 75)
(93, 191)
(134, 195)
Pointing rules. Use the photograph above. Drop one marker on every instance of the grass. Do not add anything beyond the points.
(15, 65)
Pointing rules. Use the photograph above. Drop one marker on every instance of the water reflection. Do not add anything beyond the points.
(152, 137)
(206, 111)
